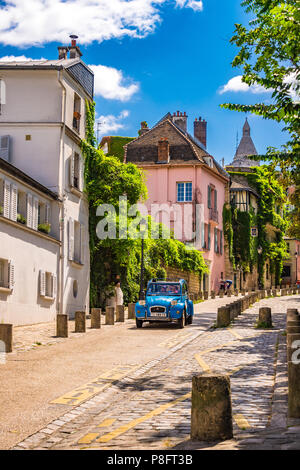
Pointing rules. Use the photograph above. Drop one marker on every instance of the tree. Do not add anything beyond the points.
(269, 52)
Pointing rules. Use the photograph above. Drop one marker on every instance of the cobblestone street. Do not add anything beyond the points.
(148, 406)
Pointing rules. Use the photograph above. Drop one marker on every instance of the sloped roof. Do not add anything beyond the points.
(245, 148)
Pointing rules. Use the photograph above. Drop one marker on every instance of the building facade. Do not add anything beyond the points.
(186, 187)
(44, 222)
(291, 266)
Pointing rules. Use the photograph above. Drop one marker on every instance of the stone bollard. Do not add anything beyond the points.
(293, 344)
(80, 322)
(232, 311)
(211, 408)
(221, 294)
(269, 293)
(213, 294)
(62, 330)
(265, 316)
(292, 328)
(223, 317)
(6, 336)
(110, 316)
(283, 292)
(96, 318)
(201, 295)
(206, 295)
(229, 293)
(294, 389)
(131, 311)
(120, 317)
(263, 294)
(294, 291)
(292, 314)
(236, 292)
(243, 291)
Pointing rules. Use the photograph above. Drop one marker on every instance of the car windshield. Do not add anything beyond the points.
(164, 289)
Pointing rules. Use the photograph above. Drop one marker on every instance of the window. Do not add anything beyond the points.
(286, 272)
(7, 272)
(208, 237)
(184, 192)
(76, 114)
(76, 172)
(48, 284)
(5, 147)
(76, 242)
(216, 234)
(2, 95)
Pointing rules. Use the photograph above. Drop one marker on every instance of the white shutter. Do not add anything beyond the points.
(71, 239)
(47, 214)
(4, 147)
(81, 175)
(42, 283)
(72, 170)
(82, 243)
(54, 286)
(14, 203)
(35, 214)
(29, 210)
(11, 275)
(7, 198)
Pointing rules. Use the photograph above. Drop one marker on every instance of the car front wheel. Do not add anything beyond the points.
(139, 323)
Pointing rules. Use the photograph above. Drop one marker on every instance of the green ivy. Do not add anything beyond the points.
(116, 146)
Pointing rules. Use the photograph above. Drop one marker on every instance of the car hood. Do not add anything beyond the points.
(161, 300)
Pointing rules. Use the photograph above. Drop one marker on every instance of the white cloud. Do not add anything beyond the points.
(34, 22)
(110, 83)
(235, 84)
(110, 123)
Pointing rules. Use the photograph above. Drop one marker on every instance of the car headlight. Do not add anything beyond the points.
(174, 302)
(142, 302)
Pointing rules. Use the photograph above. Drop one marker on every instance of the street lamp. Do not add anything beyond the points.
(259, 251)
(296, 256)
(142, 292)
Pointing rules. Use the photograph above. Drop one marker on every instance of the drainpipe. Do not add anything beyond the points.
(62, 204)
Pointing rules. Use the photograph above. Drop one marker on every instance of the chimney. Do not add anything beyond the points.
(163, 151)
(144, 128)
(180, 119)
(75, 52)
(62, 52)
(200, 130)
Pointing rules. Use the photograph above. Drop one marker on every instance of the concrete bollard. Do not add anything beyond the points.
(6, 336)
(131, 311)
(120, 317)
(232, 311)
(110, 316)
(243, 291)
(294, 389)
(80, 322)
(229, 293)
(283, 292)
(265, 316)
(213, 294)
(223, 317)
(263, 294)
(96, 318)
(211, 408)
(236, 292)
(294, 291)
(62, 330)
(221, 294)
(292, 314)
(206, 295)
(293, 328)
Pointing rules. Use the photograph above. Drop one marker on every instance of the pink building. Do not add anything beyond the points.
(182, 175)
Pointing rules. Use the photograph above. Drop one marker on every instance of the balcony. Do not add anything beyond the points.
(214, 215)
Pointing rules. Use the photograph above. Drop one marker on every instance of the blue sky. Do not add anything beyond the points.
(150, 57)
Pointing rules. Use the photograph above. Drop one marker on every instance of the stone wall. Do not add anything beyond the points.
(192, 279)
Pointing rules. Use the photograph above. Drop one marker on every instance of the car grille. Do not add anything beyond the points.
(157, 309)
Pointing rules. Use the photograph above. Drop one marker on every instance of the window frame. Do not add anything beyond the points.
(186, 191)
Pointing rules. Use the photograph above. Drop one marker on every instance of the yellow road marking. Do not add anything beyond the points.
(86, 391)
(215, 348)
(106, 423)
(126, 427)
(234, 333)
(175, 340)
(202, 363)
(88, 439)
(241, 421)
(237, 369)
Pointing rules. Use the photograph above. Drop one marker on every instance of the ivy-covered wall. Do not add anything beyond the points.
(270, 221)
(116, 146)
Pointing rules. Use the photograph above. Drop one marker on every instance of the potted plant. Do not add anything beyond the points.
(21, 219)
(45, 228)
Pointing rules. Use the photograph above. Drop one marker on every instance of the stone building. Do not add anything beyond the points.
(44, 249)
(291, 266)
(183, 178)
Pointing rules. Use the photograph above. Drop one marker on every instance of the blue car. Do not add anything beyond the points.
(166, 301)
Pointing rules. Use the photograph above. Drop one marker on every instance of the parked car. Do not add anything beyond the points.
(165, 301)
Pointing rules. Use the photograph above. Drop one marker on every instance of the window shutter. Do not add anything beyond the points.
(209, 237)
(35, 213)
(221, 242)
(47, 214)
(7, 199)
(216, 200)
(203, 234)
(81, 171)
(72, 170)
(29, 210)
(5, 147)
(82, 235)
(54, 286)
(42, 283)
(209, 197)
(71, 239)
(11, 275)
(14, 203)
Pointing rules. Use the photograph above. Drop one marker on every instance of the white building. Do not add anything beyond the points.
(42, 120)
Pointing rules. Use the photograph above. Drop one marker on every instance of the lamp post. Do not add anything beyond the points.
(142, 292)
(296, 276)
(259, 251)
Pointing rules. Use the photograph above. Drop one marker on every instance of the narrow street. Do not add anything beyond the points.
(122, 388)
